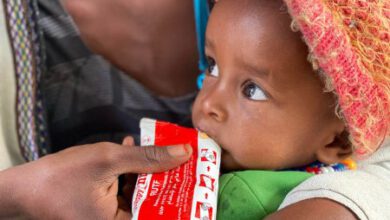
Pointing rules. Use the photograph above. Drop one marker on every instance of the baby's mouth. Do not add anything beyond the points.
(207, 133)
(223, 151)
(213, 137)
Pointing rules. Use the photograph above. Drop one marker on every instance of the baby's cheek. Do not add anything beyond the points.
(240, 157)
(257, 156)
(196, 109)
(228, 162)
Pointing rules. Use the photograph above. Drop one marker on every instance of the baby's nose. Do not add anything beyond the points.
(214, 105)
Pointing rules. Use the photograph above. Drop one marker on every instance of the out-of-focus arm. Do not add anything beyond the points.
(319, 209)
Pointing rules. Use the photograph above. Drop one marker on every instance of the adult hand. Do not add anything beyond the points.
(81, 182)
(154, 41)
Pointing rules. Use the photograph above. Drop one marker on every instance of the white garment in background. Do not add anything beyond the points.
(365, 191)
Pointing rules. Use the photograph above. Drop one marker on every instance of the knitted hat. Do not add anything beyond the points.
(349, 41)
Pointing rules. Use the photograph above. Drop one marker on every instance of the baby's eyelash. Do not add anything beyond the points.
(211, 63)
(212, 68)
(254, 92)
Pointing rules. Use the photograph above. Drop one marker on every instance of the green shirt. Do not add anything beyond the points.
(255, 194)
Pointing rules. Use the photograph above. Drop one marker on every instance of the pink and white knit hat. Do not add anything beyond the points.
(349, 40)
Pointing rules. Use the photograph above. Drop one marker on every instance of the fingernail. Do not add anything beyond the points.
(179, 150)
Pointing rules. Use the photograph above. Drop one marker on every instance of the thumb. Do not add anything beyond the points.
(128, 141)
(152, 159)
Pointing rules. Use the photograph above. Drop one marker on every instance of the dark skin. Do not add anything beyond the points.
(259, 81)
(308, 209)
(322, 209)
(153, 41)
(94, 19)
(81, 182)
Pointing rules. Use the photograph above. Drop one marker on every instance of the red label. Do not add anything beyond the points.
(170, 195)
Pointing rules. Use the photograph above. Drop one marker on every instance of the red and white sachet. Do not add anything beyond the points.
(188, 192)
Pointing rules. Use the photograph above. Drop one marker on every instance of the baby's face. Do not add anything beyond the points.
(261, 100)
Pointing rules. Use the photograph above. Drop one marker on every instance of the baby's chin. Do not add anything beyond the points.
(228, 163)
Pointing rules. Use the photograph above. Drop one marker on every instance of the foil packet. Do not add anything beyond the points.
(188, 192)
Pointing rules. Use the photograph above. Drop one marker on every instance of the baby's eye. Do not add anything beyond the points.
(253, 92)
(212, 68)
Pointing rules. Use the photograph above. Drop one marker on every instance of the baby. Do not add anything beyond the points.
(266, 104)
(274, 101)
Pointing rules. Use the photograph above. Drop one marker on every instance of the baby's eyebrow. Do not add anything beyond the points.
(253, 69)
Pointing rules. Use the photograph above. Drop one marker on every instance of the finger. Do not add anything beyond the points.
(128, 141)
(113, 189)
(123, 215)
(150, 159)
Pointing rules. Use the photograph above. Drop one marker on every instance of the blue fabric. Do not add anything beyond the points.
(202, 12)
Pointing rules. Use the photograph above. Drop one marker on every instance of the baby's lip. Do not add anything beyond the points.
(206, 131)
(200, 129)
(223, 151)
(210, 134)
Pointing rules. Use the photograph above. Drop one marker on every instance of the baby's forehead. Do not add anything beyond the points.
(241, 9)
(253, 19)
(258, 33)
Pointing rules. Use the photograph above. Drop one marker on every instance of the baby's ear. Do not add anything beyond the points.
(336, 151)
